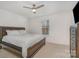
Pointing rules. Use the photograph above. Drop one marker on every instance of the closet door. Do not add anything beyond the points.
(73, 41)
(77, 41)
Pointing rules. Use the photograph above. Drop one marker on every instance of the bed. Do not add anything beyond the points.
(27, 44)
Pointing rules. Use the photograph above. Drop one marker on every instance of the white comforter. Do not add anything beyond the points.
(23, 41)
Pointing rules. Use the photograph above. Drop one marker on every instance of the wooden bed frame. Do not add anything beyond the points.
(31, 51)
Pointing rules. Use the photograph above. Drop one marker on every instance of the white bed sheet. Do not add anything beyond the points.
(23, 41)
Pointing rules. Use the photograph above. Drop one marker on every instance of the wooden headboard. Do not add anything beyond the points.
(12, 28)
(4, 28)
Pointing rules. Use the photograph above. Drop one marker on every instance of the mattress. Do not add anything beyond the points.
(23, 41)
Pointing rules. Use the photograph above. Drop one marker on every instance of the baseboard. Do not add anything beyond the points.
(57, 43)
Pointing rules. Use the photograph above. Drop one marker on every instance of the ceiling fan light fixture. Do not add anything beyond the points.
(34, 7)
(34, 10)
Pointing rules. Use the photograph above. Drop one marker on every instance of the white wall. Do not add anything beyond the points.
(35, 26)
(60, 23)
(60, 28)
(11, 19)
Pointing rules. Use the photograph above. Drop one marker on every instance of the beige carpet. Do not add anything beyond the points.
(47, 51)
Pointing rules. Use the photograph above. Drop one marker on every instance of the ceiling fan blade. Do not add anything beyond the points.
(39, 6)
(27, 7)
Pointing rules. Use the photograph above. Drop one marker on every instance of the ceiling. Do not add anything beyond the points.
(50, 7)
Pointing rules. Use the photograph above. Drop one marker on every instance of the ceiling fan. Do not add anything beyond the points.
(34, 7)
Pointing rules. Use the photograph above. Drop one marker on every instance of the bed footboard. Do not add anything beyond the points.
(31, 51)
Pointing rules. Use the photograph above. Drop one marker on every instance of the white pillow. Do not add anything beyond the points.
(22, 32)
(12, 32)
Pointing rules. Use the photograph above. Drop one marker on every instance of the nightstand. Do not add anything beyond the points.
(1, 35)
(45, 27)
(0, 42)
(45, 30)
